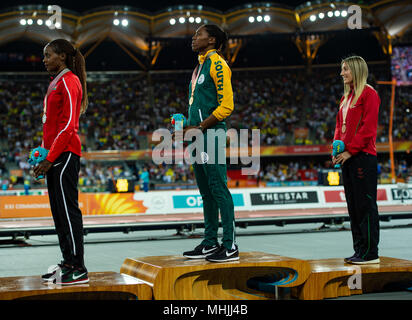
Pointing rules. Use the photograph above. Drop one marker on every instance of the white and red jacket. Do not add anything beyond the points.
(60, 131)
(361, 123)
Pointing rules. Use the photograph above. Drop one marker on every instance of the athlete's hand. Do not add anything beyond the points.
(341, 157)
(42, 168)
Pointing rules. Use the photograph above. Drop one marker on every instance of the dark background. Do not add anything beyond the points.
(150, 6)
(260, 51)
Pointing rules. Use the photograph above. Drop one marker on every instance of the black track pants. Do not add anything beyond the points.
(62, 185)
(360, 182)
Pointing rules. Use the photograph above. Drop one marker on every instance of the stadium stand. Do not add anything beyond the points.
(290, 96)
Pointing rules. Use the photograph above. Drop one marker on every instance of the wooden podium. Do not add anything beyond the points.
(332, 278)
(102, 285)
(255, 276)
(179, 278)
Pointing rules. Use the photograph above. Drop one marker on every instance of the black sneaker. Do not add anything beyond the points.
(224, 255)
(357, 260)
(60, 268)
(201, 251)
(355, 255)
(74, 276)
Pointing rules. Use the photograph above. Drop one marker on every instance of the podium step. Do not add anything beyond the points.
(102, 285)
(179, 278)
(332, 278)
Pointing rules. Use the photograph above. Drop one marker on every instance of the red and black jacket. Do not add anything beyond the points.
(361, 123)
(60, 131)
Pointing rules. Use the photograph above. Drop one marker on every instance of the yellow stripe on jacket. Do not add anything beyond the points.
(221, 75)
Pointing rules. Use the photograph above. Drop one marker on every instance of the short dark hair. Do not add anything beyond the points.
(219, 34)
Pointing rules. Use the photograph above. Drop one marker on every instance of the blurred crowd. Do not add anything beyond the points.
(120, 116)
(271, 104)
(100, 176)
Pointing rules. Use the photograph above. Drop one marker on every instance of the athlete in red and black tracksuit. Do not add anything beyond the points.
(358, 131)
(60, 137)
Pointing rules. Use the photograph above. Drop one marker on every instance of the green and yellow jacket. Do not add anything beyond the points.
(213, 92)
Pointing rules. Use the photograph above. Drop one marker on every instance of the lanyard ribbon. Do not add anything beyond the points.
(195, 76)
(345, 111)
(50, 88)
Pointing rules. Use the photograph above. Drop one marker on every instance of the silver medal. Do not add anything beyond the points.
(44, 118)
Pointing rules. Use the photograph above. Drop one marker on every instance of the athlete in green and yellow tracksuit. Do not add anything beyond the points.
(210, 103)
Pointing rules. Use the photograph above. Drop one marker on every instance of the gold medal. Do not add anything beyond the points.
(343, 128)
(196, 74)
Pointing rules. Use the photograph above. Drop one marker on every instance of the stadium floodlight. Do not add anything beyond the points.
(337, 13)
(39, 22)
(29, 22)
(172, 21)
(330, 14)
(321, 15)
(259, 18)
(48, 22)
(266, 18)
(182, 20)
(125, 22)
(198, 20)
(57, 25)
(23, 22)
(251, 19)
(344, 13)
(116, 22)
(191, 19)
(312, 18)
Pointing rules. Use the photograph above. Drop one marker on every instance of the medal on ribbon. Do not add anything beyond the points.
(52, 86)
(195, 76)
(345, 113)
(194, 82)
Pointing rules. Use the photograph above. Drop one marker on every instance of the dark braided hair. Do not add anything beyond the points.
(219, 34)
(75, 62)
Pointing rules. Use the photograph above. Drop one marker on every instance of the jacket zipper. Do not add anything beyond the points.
(200, 115)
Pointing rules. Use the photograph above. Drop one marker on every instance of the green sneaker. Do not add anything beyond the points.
(74, 276)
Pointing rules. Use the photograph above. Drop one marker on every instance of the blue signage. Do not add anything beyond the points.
(195, 201)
